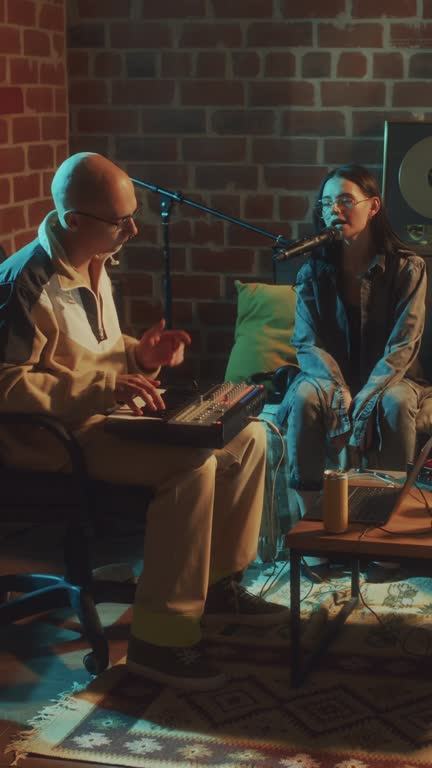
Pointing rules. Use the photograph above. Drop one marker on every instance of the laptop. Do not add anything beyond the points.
(373, 504)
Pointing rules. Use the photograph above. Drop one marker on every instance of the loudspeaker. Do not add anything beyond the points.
(407, 182)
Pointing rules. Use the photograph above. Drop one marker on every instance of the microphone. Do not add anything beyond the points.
(308, 243)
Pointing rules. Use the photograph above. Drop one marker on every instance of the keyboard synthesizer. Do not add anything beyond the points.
(208, 420)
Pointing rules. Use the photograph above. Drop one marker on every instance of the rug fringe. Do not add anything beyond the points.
(64, 701)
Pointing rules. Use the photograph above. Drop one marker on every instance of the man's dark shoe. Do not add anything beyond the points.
(186, 668)
(378, 572)
(228, 601)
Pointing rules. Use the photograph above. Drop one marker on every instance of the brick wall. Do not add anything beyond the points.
(33, 113)
(242, 105)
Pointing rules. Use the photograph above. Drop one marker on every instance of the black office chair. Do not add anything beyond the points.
(83, 503)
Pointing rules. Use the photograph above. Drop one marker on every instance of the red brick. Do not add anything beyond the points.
(238, 236)
(372, 9)
(243, 121)
(210, 64)
(86, 36)
(24, 71)
(412, 94)
(53, 73)
(144, 92)
(366, 151)
(196, 286)
(52, 17)
(211, 92)
(138, 285)
(259, 206)
(3, 68)
(145, 312)
(427, 9)
(411, 35)
(38, 210)
(351, 65)
(273, 34)
(157, 149)
(371, 122)
(88, 92)
(210, 35)
(12, 218)
(316, 64)
(298, 122)
(107, 120)
(59, 45)
(420, 65)
(61, 153)
(40, 156)
(220, 313)
(280, 64)
(25, 129)
(26, 187)
(276, 93)
(21, 12)
(5, 196)
(107, 64)
(170, 175)
(181, 231)
(219, 343)
(36, 42)
(54, 128)
(23, 238)
(293, 207)
(245, 63)
(146, 35)
(227, 176)
(4, 131)
(182, 313)
(276, 150)
(109, 9)
(370, 94)
(313, 9)
(350, 36)
(227, 204)
(60, 100)
(178, 121)
(173, 9)
(176, 64)
(227, 260)
(388, 66)
(78, 63)
(295, 177)
(214, 150)
(8, 246)
(2, 10)
(247, 9)
(11, 160)
(40, 99)
(47, 178)
(10, 40)
(11, 101)
(208, 232)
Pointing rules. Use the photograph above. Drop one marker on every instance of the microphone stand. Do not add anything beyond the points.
(167, 198)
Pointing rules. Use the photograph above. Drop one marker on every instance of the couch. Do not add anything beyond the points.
(263, 352)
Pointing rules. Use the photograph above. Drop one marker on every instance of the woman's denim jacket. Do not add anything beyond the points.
(392, 310)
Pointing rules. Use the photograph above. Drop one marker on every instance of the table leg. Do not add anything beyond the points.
(295, 560)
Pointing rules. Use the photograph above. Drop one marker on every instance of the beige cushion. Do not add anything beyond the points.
(264, 327)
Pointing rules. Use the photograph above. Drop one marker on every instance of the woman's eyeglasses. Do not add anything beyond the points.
(326, 205)
(121, 223)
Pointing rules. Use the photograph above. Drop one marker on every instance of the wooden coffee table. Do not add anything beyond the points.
(406, 538)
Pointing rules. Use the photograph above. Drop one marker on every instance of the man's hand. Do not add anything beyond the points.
(133, 385)
(159, 347)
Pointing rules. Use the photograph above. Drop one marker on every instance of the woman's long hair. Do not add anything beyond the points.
(385, 238)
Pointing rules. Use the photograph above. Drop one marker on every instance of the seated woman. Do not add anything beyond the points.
(359, 320)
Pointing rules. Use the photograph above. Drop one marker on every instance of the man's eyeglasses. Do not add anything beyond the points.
(121, 223)
(326, 205)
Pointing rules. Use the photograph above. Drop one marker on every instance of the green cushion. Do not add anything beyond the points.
(264, 327)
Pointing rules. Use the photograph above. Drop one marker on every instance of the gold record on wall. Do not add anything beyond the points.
(415, 178)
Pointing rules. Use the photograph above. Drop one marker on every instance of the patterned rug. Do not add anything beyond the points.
(367, 705)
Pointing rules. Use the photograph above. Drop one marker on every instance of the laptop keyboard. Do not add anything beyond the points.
(370, 504)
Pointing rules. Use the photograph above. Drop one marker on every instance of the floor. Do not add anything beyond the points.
(41, 658)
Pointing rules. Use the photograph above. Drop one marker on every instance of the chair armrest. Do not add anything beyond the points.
(64, 436)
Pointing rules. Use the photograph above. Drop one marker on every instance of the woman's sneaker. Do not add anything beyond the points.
(181, 667)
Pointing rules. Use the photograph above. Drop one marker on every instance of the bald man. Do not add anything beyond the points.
(62, 352)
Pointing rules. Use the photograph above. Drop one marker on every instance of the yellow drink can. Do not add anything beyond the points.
(335, 501)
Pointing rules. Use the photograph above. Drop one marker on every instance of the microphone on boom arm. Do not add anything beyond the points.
(308, 243)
